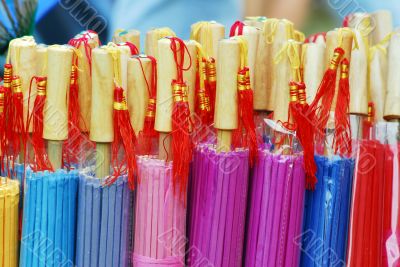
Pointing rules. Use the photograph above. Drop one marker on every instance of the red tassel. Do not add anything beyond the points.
(369, 121)
(132, 48)
(248, 137)
(181, 142)
(125, 136)
(211, 85)
(304, 119)
(325, 94)
(72, 146)
(18, 138)
(83, 39)
(42, 161)
(236, 29)
(149, 133)
(3, 141)
(342, 138)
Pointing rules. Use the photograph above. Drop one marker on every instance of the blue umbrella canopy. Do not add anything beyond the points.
(326, 216)
(48, 232)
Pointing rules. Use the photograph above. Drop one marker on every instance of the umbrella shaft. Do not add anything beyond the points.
(54, 149)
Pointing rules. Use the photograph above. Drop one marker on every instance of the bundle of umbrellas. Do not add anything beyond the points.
(255, 150)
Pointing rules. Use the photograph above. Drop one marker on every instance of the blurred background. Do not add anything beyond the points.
(56, 21)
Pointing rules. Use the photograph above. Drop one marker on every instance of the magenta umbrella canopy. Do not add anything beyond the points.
(276, 205)
(218, 197)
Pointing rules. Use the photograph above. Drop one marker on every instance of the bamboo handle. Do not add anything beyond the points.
(190, 75)
(132, 36)
(101, 127)
(152, 37)
(392, 106)
(280, 35)
(41, 60)
(284, 74)
(209, 35)
(166, 72)
(137, 91)
(313, 67)
(55, 117)
(359, 76)
(58, 80)
(23, 59)
(226, 103)
(251, 34)
(378, 67)
(382, 25)
(85, 84)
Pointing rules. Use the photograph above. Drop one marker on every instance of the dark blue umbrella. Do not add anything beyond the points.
(326, 216)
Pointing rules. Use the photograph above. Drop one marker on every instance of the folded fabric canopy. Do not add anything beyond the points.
(326, 217)
(103, 231)
(9, 199)
(48, 233)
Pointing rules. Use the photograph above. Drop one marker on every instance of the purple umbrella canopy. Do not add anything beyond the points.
(276, 199)
(160, 220)
(217, 207)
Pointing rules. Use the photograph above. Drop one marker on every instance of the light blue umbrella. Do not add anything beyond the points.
(104, 216)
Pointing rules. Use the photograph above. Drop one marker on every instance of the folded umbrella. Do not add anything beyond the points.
(219, 179)
(9, 203)
(160, 221)
(105, 196)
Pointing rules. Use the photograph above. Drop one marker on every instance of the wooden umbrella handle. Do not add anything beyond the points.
(382, 23)
(287, 69)
(41, 60)
(378, 67)
(166, 72)
(55, 117)
(277, 34)
(132, 36)
(226, 103)
(208, 34)
(313, 67)
(138, 90)
(252, 35)
(152, 37)
(22, 55)
(392, 107)
(103, 84)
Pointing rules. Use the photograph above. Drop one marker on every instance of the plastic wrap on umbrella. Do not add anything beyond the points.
(276, 210)
(324, 237)
(103, 235)
(48, 233)
(9, 199)
(366, 219)
(160, 228)
(217, 207)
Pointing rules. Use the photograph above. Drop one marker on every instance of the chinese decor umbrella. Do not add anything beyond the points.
(392, 114)
(48, 224)
(160, 225)
(373, 179)
(104, 204)
(9, 202)
(220, 174)
(277, 187)
(327, 206)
